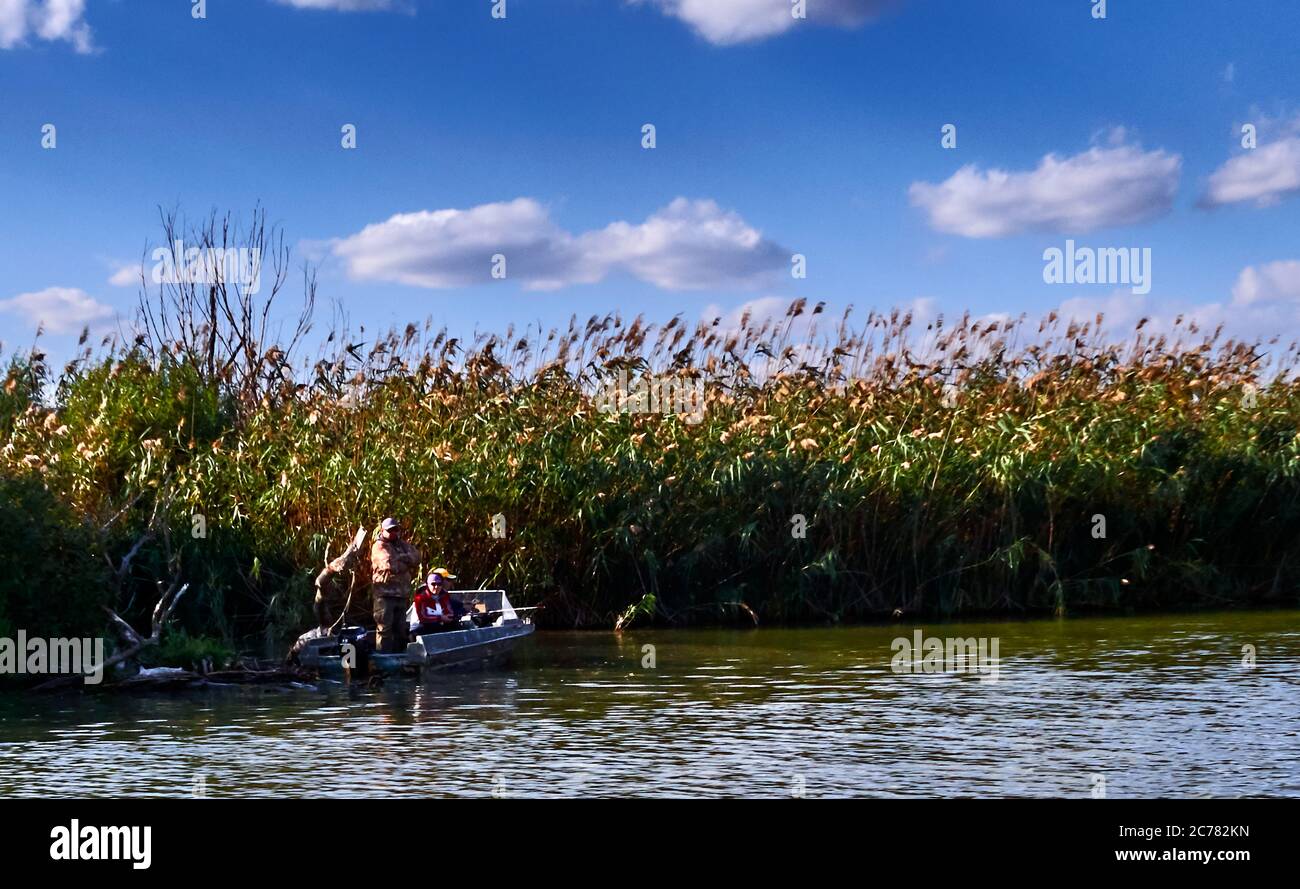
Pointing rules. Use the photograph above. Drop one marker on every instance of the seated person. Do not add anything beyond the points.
(435, 610)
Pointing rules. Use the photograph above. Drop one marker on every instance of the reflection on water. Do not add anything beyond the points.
(1156, 706)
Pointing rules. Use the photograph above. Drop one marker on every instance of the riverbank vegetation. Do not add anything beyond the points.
(842, 469)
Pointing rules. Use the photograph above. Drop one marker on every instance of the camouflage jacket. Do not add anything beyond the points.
(392, 565)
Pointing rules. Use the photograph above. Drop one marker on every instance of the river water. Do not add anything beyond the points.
(1166, 706)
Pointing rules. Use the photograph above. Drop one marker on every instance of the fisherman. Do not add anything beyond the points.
(332, 593)
(392, 563)
(435, 610)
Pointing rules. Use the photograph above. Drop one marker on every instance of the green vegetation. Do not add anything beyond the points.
(939, 471)
(978, 498)
(51, 575)
(178, 649)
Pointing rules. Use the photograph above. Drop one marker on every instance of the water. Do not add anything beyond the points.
(1152, 706)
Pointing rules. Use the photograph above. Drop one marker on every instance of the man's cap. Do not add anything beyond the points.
(389, 524)
(441, 572)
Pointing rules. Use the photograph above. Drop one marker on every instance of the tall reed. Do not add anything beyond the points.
(933, 468)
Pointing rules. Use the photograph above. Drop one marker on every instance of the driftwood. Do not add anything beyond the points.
(162, 613)
(169, 596)
(173, 679)
(134, 643)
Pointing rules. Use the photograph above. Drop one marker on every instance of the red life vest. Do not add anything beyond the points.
(433, 609)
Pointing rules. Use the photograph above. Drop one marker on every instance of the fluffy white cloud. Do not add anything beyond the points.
(686, 245)
(21, 20)
(1101, 187)
(1265, 303)
(1263, 175)
(726, 22)
(125, 275)
(59, 309)
(1272, 282)
(454, 248)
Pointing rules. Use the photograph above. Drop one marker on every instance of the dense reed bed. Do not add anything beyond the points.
(934, 469)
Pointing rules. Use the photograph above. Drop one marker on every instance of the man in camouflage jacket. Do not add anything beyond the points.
(393, 563)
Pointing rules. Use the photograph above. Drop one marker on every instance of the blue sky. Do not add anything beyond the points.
(775, 135)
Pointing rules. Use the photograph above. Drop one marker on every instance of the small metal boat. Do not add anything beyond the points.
(487, 635)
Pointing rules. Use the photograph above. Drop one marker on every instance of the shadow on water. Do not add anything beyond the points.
(1147, 706)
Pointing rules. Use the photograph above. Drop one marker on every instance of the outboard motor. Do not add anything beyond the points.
(362, 642)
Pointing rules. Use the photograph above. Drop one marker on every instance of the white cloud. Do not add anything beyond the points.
(60, 309)
(1101, 187)
(726, 22)
(1275, 315)
(687, 245)
(1263, 175)
(1122, 311)
(21, 20)
(750, 314)
(125, 275)
(760, 325)
(1175, 318)
(454, 248)
(1269, 283)
(1265, 303)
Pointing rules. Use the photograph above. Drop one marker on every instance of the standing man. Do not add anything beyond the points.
(392, 564)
